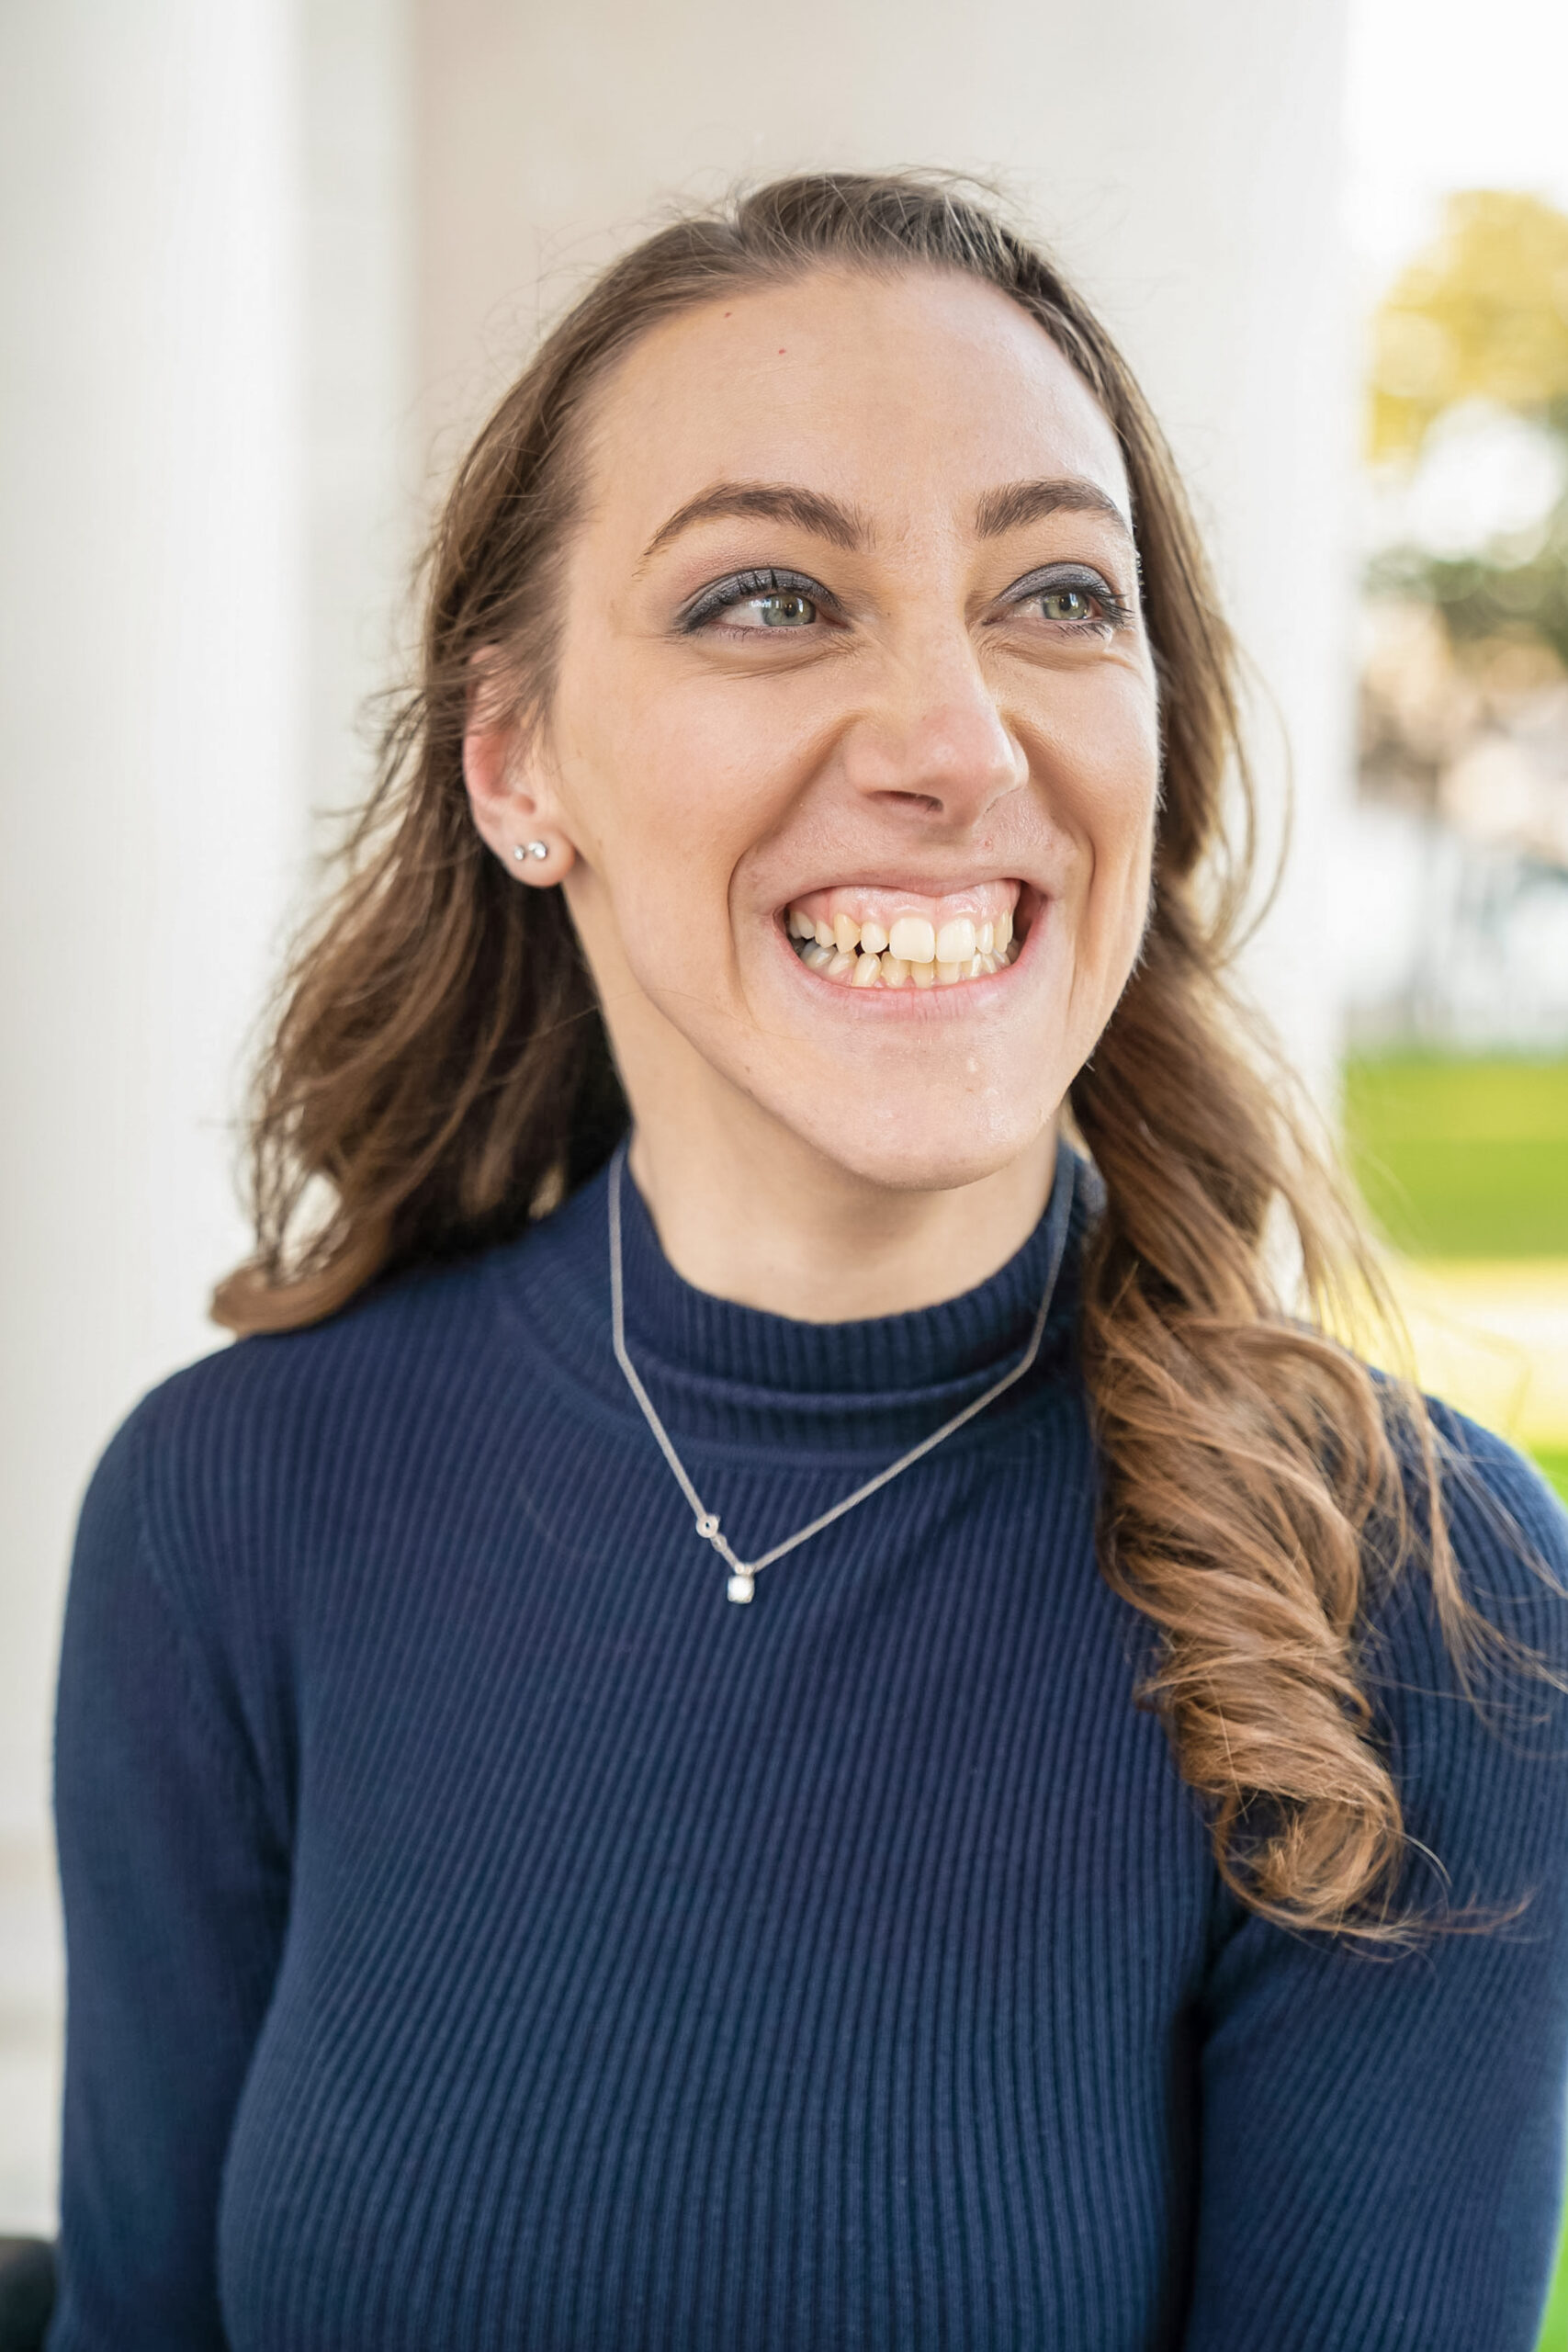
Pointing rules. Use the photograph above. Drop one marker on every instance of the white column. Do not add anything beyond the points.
(1184, 160)
(207, 245)
(149, 637)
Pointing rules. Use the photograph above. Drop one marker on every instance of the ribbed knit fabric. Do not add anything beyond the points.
(482, 1934)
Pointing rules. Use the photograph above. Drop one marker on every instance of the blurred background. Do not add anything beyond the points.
(266, 264)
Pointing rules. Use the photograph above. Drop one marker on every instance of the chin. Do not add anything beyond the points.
(915, 1142)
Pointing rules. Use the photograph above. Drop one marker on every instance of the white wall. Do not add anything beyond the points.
(364, 453)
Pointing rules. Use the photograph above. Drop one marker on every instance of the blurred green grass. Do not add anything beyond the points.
(1553, 2337)
(1462, 1158)
(1468, 1158)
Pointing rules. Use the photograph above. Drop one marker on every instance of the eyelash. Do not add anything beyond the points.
(711, 602)
(716, 599)
(1117, 612)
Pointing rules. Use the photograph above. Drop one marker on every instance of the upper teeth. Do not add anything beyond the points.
(913, 938)
(911, 948)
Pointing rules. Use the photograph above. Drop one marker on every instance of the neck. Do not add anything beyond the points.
(766, 1221)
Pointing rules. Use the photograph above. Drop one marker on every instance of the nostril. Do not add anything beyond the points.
(916, 800)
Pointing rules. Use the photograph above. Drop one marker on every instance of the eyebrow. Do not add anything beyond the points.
(808, 510)
(1028, 502)
(999, 511)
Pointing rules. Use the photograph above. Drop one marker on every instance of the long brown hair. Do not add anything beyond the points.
(439, 1073)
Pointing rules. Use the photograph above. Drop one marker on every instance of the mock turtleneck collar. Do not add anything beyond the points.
(732, 1374)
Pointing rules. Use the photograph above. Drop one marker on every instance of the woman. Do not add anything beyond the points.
(603, 1797)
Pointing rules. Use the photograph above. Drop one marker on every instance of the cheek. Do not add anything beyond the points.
(686, 776)
(1109, 797)
(663, 797)
(1110, 806)
(672, 794)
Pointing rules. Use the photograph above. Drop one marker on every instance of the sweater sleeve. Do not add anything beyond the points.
(1383, 2137)
(175, 1893)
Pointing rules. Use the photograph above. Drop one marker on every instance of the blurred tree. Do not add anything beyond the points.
(1482, 315)
(1465, 667)
(1485, 603)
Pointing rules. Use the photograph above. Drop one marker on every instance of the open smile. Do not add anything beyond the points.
(876, 938)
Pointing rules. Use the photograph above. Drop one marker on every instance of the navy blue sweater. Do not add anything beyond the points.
(482, 1934)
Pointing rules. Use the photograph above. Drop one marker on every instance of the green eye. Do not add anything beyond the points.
(1071, 607)
(749, 602)
(785, 609)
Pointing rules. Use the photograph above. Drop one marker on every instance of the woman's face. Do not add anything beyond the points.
(852, 753)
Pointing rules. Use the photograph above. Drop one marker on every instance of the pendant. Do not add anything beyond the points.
(743, 1585)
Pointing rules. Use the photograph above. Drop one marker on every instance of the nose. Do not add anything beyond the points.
(934, 739)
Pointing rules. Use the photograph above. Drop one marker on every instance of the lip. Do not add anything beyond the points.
(919, 1004)
(908, 883)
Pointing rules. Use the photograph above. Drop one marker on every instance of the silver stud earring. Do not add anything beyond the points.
(531, 848)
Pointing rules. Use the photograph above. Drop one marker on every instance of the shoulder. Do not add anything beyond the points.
(1507, 1539)
(229, 1514)
(220, 1470)
(384, 1339)
(1474, 1716)
(1508, 1531)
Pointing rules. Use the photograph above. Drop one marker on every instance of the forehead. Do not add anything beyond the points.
(909, 397)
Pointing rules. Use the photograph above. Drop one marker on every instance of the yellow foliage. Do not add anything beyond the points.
(1482, 315)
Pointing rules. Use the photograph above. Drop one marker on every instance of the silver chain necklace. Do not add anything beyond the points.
(743, 1574)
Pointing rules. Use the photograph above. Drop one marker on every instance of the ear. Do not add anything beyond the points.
(511, 797)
